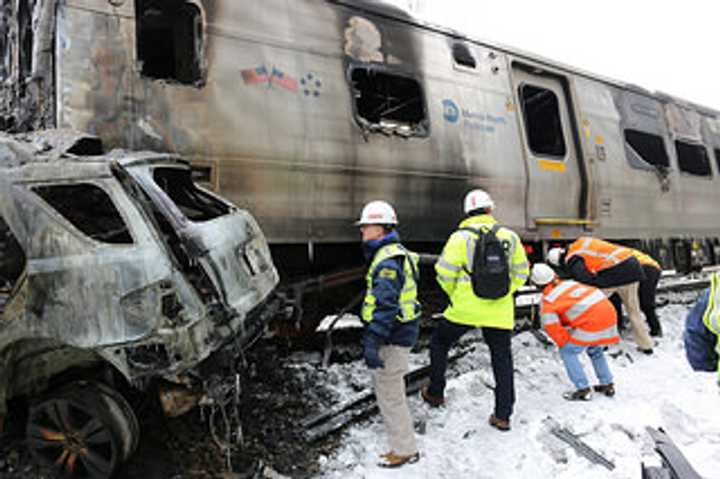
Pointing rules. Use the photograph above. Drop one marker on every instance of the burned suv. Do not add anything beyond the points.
(114, 268)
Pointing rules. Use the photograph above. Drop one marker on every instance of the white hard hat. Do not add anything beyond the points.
(478, 199)
(541, 274)
(377, 213)
(554, 256)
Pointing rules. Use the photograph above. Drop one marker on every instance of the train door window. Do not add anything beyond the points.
(717, 158)
(693, 158)
(169, 40)
(12, 262)
(388, 103)
(89, 209)
(462, 56)
(646, 148)
(543, 124)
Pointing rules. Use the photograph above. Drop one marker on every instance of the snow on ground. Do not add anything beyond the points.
(659, 391)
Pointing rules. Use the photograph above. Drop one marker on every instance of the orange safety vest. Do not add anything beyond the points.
(598, 254)
(644, 259)
(577, 313)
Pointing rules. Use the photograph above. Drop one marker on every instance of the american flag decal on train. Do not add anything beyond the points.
(254, 76)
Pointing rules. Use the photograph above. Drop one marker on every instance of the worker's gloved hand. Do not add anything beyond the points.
(371, 346)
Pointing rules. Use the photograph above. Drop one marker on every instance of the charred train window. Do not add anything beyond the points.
(693, 158)
(12, 262)
(717, 159)
(169, 40)
(542, 121)
(196, 204)
(644, 148)
(89, 209)
(389, 103)
(462, 55)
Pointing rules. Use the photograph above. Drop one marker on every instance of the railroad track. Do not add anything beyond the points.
(336, 418)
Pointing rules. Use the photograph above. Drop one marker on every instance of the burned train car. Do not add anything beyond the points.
(115, 270)
(302, 111)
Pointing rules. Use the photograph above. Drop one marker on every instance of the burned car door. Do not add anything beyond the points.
(225, 240)
(95, 273)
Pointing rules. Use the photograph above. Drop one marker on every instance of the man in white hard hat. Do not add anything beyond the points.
(579, 318)
(391, 314)
(612, 268)
(474, 303)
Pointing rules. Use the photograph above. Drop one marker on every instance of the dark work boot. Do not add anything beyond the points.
(433, 401)
(584, 394)
(501, 424)
(606, 389)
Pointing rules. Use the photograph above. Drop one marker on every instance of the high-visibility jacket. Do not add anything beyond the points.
(596, 253)
(644, 258)
(577, 313)
(391, 309)
(454, 278)
(711, 317)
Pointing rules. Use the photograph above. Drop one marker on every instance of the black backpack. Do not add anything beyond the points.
(490, 274)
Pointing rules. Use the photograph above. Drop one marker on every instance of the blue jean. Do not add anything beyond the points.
(570, 354)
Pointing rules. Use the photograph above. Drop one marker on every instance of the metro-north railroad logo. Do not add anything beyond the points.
(451, 112)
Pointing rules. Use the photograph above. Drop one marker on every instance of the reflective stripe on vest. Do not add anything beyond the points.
(555, 293)
(549, 318)
(593, 336)
(581, 307)
(711, 318)
(409, 305)
(598, 254)
(645, 259)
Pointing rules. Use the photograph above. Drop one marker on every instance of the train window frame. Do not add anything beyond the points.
(682, 159)
(187, 56)
(644, 163)
(403, 129)
(463, 59)
(526, 123)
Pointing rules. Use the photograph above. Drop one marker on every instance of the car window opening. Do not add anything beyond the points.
(195, 204)
(89, 209)
(12, 263)
(182, 259)
(169, 40)
(389, 103)
(542, 121)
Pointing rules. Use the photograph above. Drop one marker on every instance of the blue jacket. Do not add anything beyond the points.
(386, 289)
(699, 340)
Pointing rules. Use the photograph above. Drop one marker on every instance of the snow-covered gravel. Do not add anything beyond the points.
(659, 391)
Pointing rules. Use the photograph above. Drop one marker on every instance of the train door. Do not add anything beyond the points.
(555, 186)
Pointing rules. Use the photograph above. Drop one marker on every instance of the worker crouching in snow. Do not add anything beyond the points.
(702, 330)
(391, 314)
(578, 318)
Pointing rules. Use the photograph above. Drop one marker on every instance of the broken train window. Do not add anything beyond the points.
(543, 124)
(388, 103)
(12, 262)
(196, 204)
(693, 158)
(646, 148)
(89, 209)
(169, 40)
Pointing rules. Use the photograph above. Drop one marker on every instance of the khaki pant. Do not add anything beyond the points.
(390, 391)
(629, 295)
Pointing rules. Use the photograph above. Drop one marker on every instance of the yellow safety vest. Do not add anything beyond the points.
(409, 306)
(452, 275)
(711, 318)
